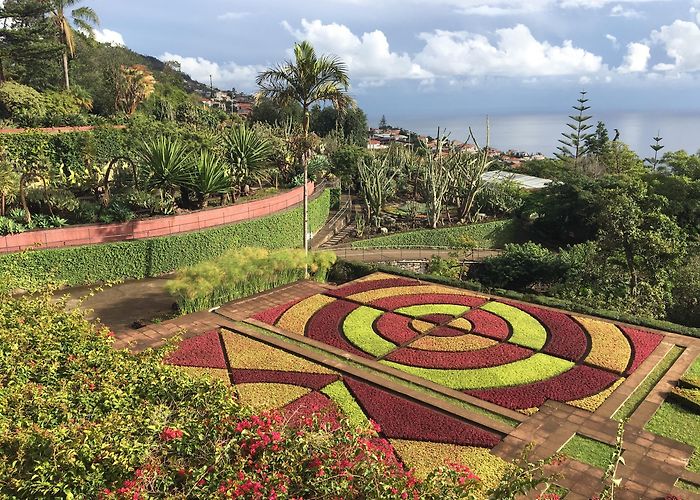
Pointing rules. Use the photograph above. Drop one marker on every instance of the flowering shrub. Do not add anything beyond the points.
(398, 301)
(500, 354)
(294, 320)
(459, 343)
(400, 329)
(527, 331)
(643, 344)
(486, 323)
(79, 418)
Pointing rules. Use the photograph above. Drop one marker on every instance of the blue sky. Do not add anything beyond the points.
(412, 59)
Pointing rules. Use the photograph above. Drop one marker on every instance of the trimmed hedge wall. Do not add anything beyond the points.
(152, 257)
(70, 149)
(344, 271)
(485, 235)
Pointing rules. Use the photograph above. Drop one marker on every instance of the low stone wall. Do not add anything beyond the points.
(149, 228)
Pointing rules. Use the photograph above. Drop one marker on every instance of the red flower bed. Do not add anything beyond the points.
(490, 356)
(398, 301)
(203, 351)
(299, 412)
(326, 326)
(488, 324)
(579, 382)
(315, 381)
(566, 337)
(643, 344)
(438, 319)
(446, 331)
(271, 316)
(400, 418)
(396, 328)
(365, 286)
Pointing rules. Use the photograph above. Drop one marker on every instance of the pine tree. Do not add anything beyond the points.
(656, 147)
(574, 143)
(382, 123)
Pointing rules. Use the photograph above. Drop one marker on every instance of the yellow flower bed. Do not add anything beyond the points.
(296, 318)
(381, 293)
(609, 347)
(592, 403)
(461, 324)
(215, 373)
(452, 344)
(247, 354)
(425, 456)
(269, 396)
(422, 326)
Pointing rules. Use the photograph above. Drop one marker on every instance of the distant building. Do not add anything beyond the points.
(525, 181)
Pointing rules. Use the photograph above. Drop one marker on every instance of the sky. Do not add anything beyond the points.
(413, 60)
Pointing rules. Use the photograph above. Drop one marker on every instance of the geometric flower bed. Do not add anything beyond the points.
(267, 378)
(511, 354)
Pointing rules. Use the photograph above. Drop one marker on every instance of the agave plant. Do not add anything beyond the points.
(167, 163)
(209, 177)
(247, 153)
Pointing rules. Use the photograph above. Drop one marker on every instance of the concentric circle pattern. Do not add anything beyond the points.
(512, 354)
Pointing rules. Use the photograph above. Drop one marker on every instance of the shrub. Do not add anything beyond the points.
(156, 256)
(242, 273)
(486, 235)
(520, 267)
(79, 419)
(22, 104)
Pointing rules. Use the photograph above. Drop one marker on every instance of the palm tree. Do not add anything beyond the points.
(84, 19)
(307, 80)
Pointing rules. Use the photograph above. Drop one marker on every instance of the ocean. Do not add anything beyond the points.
(539, 133)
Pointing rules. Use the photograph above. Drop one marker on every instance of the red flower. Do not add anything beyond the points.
(169, 434)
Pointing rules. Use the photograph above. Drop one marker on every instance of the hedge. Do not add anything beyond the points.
(70, 149)
(486, 235)
(153, 257)
(345, 271)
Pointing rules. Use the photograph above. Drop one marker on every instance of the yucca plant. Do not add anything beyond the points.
(167, 164)
(248, 154)
(209, 177)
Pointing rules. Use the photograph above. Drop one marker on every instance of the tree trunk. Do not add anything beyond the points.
(305, 161)
(23, 198)
(65, 70)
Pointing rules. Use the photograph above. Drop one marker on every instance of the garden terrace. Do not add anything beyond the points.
(549, 374)
(93, 234)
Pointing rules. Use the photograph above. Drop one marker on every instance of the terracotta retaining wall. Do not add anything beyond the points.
(149, 228)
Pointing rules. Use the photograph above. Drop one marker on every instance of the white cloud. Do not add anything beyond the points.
(637, 58)
(224, 75)
(232, 16)
(515, 53)
(109, 36)
(368, 56)
(681, 40)
(613, 40)
(620, 11)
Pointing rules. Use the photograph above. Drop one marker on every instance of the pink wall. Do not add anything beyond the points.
(149, 228)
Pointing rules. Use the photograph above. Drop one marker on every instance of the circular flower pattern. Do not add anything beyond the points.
(513, 354)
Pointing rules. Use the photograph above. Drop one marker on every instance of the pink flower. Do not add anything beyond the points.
(169, 434)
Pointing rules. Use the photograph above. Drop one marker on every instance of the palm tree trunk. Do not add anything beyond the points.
(305, 161)
(65, 70)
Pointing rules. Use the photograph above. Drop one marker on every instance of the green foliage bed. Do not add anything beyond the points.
(156, 256)
(487, 235)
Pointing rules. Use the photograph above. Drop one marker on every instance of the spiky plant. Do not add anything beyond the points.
(84, 19)
(209, 177)
(167, 164)
(247, 153)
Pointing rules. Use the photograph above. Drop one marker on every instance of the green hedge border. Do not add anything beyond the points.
(112, 262)
(344, 271)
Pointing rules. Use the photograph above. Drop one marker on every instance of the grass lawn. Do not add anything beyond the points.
(487, 235)
(643, 390)
(674, 421)
(588, 451)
